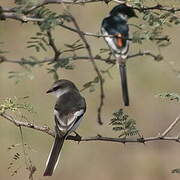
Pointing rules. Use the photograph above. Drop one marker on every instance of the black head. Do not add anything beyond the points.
(123, 9)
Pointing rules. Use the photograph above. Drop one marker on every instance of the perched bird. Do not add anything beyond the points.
(68, 112)
(116, 31)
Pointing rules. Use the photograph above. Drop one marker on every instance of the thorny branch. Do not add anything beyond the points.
(160, 137)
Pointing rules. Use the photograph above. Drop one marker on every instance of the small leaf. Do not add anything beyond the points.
(123, 124)
(176, 171)
(169, 96)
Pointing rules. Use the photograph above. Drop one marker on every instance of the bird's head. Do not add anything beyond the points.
(61, 86)
(124, 10)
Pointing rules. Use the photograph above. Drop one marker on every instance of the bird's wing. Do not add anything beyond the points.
(119, 28)
(69, 122)
(68, 112)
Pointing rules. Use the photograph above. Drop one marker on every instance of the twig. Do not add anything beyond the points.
(57, 52)
(44, 129)
(46, 2)
(19, 17)
(158, 7)
(94, 66)
(171, 126)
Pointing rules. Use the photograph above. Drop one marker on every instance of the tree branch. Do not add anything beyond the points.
(158, 7)
(57, 52)
(171, 126)
(19, 17)
(24, 19)
(17, 123)
(97, 35)
(48, 131)
(46, 2)
(74, 58)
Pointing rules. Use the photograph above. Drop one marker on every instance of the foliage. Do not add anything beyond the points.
(50, 18)
(123, 124)
(90, 85)
(38, 42)
(27, 73)
(19, 153)
(169, 96)
(176, 171)
(12, 104)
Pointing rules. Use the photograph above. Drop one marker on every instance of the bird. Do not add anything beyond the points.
(115, 29)
(68, 112)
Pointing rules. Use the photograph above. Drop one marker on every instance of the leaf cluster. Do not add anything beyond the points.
(124, 125)
(12, 105)
(91, 84)
(38, 42)
(50, 18)
(170, 96)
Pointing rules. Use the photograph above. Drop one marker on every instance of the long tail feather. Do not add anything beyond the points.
(54, 156)
(124, 85)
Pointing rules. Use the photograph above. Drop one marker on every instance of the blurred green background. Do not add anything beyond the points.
(93, 160)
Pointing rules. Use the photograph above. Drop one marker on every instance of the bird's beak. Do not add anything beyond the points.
(49, 91)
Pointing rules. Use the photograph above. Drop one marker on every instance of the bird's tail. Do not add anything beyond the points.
(124, 85)
(54, 156)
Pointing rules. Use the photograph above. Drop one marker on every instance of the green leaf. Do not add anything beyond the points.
(91, 84)
(12, 105)
(124, 125)
(38, 42)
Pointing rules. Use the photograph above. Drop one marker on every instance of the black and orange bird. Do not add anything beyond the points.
(116, 33)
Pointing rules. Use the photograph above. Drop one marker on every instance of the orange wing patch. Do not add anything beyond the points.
(119, 40)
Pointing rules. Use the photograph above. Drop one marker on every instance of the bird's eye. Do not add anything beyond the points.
(56, 88)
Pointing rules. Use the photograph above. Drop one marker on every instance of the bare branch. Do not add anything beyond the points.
(128, 140)
(57, 52)
(171, 126)
(44, 129)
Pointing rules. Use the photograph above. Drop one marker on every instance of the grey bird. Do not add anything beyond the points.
(68, 112)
